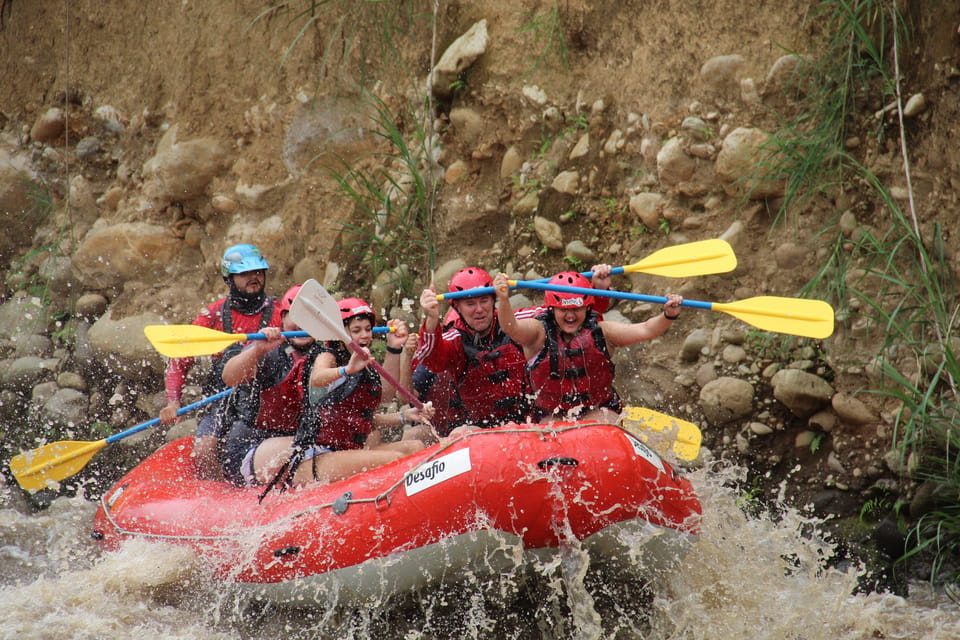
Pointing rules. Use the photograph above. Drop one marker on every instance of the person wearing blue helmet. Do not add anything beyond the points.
(245, 309)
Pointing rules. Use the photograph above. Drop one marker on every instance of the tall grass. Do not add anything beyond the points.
(393, 195)
(888, 281)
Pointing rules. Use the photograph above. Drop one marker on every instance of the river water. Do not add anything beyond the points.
(743, 578)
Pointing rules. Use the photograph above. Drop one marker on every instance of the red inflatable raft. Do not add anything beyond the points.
(463, 505)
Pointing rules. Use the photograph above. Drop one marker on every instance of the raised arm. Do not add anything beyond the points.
(527, 332)
(243, 367)
(621, 334)
(391, 362)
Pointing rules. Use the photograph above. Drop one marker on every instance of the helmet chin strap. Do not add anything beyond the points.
(245, 303)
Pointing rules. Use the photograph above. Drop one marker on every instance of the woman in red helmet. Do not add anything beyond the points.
(567, 349)
(482, 363)
(339, 432)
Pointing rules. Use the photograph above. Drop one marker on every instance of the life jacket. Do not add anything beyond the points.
(214, 380)
(492, 389)
(268, 406)
(342, 418)
(567, 375)
(439, 389)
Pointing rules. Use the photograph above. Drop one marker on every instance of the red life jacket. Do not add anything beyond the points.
(579, 373)
(492, 389)
(439, 389)
(282, 404)
(344, 416)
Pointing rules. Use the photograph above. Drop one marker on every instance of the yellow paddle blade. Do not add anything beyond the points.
(42, 468)
(687, 260)
(663, 432)
(794, 316)
(185, 340)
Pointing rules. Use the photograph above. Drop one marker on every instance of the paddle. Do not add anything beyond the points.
(794, 316)
(317, 312)
(657, 428)
(681, 261)
(39, 468)
(184, 340)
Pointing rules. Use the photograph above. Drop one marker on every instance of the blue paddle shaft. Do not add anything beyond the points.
(484, 291)
(180, 412)
(622, 295)
(304, 334)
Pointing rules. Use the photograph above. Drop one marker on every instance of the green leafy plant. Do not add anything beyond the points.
(549, 38)
(817, 442)
(393, 209)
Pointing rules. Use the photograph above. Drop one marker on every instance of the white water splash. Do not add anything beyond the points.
(743, 578)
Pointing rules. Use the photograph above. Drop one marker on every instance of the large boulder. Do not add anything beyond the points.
(749, 164)
(113, 254)
(726, 399)
(123, 348)
(182, 169)
(803, 393)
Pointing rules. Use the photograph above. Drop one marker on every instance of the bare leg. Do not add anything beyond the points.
(270, 457)
(338, 465)
(406, 447)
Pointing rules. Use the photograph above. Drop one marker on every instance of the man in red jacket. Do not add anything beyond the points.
(245, 309)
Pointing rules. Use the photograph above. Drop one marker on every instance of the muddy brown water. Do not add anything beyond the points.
(743, 578)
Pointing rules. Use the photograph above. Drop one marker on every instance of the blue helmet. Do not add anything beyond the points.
(241, 258)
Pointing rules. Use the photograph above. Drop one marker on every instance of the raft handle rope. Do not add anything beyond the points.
(383, 496)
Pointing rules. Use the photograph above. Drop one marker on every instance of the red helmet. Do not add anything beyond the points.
(287, 300)
(568, 279)
(469, 278)
(350, 308)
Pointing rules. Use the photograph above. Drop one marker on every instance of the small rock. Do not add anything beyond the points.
(582, 147)
(916, 105)
(567, 182)
(693, 344)
(576, 249)
(511, 162)
(548, 232)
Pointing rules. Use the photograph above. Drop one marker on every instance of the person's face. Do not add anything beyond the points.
(290, 325)
(361, 330)
(570, 319)
(251, 282)
(476, 312)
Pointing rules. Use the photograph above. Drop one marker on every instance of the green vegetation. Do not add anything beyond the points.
(888, 280)
(549, 38)
(393, 198)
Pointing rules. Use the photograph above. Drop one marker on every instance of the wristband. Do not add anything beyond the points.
(342, 372)
(395, 350)
(670, 318)
(403, 419)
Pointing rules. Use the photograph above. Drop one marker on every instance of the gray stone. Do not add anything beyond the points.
(457, 58)
(852, 410)
(801, 392)
(577, 249)
(726, 399)
(24, 373)
(182, 169)
(121, 346)
(693, 344)
(747, 164)
(90, 306)
(548, 232)
(67, 407)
